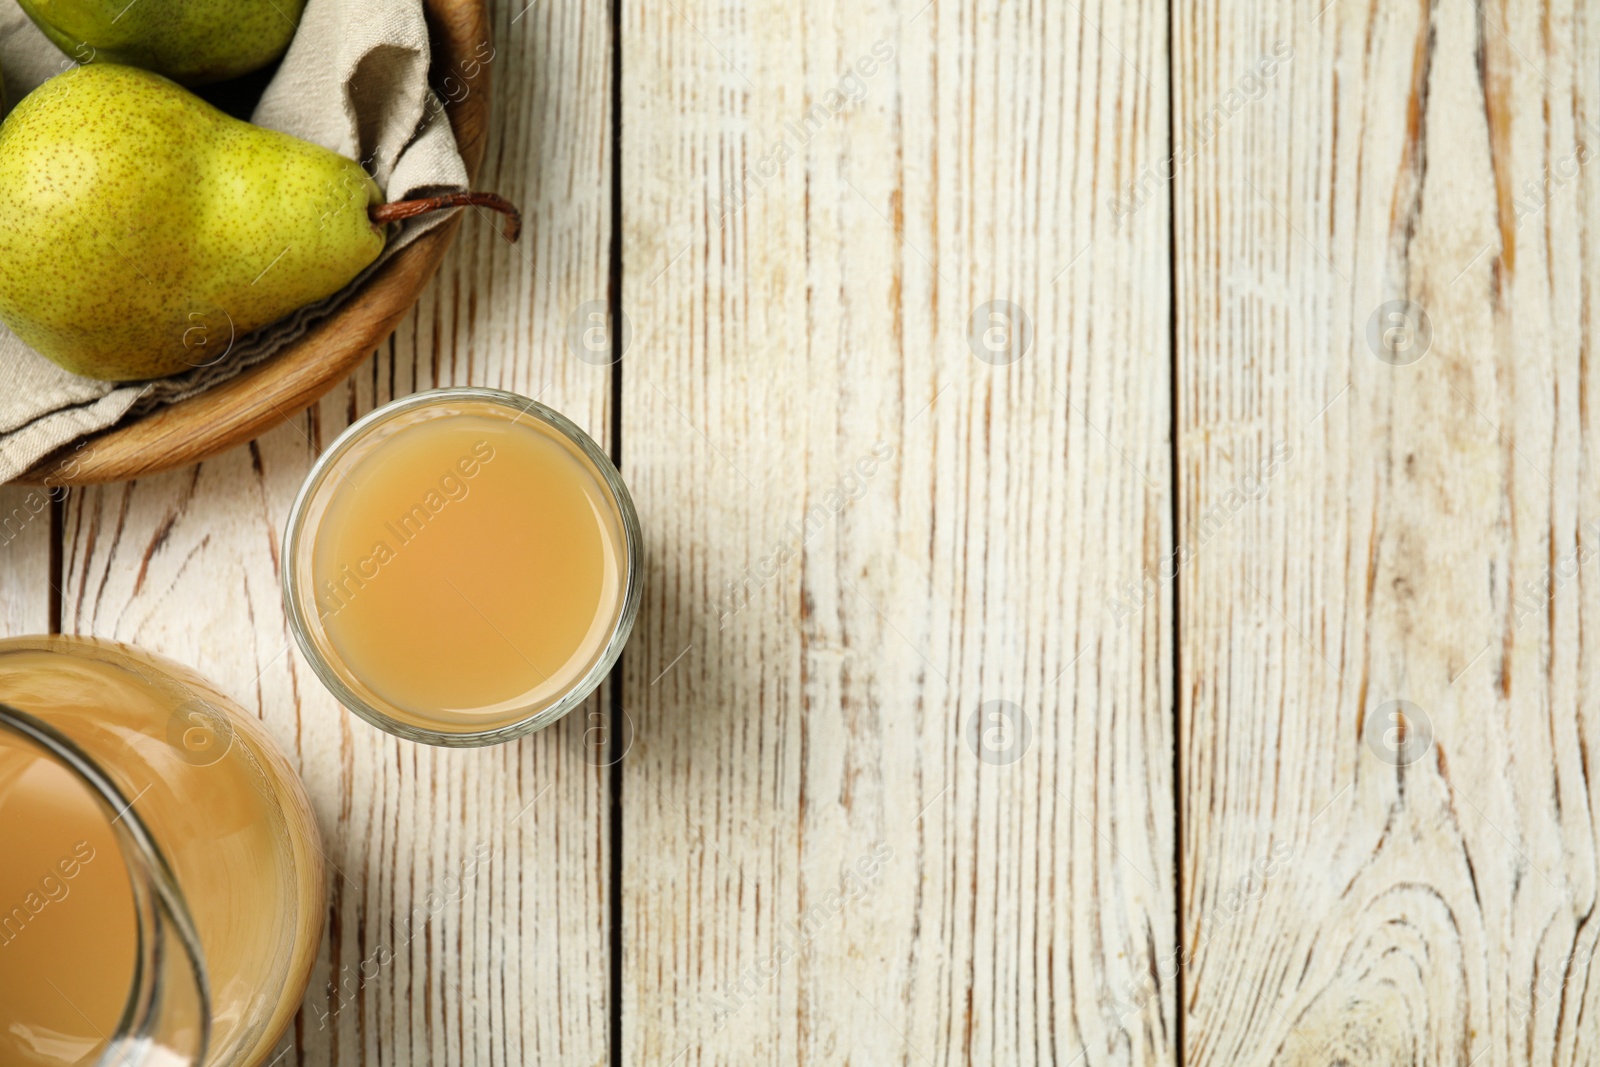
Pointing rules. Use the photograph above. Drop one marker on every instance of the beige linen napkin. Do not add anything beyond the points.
(355, 80)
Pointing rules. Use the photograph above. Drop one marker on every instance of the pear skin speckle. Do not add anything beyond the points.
(191, 41)
(142, 231)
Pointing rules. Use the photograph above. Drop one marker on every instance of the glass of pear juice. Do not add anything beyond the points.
(462, 567)
(161, 876)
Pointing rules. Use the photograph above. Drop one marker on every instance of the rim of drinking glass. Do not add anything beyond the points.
(158, 899)
(300, 619)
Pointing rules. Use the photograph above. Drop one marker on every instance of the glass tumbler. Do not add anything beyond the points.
(341, 484)
(161, 877)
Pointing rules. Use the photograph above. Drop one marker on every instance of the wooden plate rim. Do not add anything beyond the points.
(248, 405)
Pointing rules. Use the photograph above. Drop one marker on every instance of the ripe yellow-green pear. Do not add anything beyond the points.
(190, 41)
(142, 231)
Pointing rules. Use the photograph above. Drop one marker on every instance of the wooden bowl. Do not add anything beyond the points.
(276, 390)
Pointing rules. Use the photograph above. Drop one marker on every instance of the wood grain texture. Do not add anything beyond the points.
(266, 396)
(860, 533)
(1351, 894)
(866, 524)
(429, 957)
(25, 580)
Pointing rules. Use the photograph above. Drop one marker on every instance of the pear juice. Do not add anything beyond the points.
(221, 804)
(467, 569)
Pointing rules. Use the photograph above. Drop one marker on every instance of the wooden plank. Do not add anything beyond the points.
(1353, 894)
(25, 539)
(507, 963)
(869, 519)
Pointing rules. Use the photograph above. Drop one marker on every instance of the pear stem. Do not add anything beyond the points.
(383, 214)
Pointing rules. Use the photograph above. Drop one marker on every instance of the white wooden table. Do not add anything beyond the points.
(1184, 509)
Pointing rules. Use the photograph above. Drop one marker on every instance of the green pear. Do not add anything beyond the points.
(190, 41)
(143, 232)
(141, 229)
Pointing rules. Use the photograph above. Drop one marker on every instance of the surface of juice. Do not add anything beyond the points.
(223, 807)
(67, 933)
(468, 568)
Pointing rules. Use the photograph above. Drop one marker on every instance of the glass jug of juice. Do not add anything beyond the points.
(161, 877)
